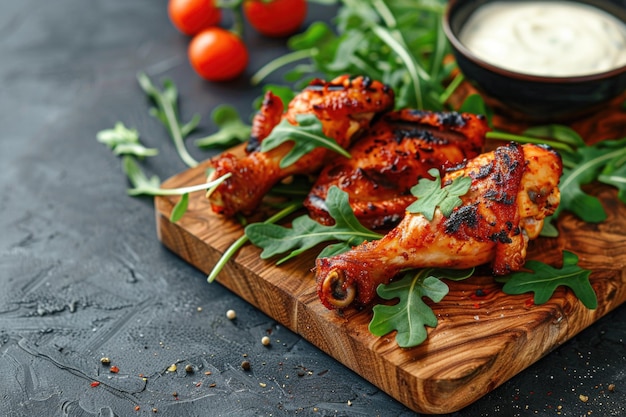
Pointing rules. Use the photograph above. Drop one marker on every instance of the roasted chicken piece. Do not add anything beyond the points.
(345, 108)
(513, 189)
(390, 158)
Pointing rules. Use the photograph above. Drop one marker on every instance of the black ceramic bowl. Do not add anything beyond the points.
(536, 98)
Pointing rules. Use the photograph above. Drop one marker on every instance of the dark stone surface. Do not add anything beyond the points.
(83, 275)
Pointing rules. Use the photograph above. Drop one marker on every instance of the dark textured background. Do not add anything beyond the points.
(83, 275)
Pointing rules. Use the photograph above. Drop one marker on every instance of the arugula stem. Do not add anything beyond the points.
(451, 88)
(497, 135)
(385, 13)
(281, 61)
(412, 68)
(210, 185)
(590, 165)
(172, 121)
(243, 239)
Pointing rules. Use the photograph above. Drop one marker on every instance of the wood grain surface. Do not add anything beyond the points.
(479, 342)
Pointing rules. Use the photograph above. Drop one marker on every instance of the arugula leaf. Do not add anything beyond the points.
(166, 111)
(589, 163)
(141, 183)
(305, 233)
(474, 103)
(614, 173)
(124, 141)
(544, 280)
(307, 135)
(431, 195)
(232, 130)
(180, 208)
(411, 314)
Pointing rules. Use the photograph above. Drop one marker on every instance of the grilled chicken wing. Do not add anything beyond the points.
(513, 189)
(344, 106)
(391, 157)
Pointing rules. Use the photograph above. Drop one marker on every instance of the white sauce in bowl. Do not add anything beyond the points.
(546, 38)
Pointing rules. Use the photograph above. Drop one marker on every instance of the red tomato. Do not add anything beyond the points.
(275, 18)
(191, 16)
(217, 54)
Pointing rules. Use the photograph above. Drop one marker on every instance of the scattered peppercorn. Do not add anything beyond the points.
(265, 341)
(231, 314)
(154, 410)
(188, 369)
(245, 365)
(105, 361)
(611, 387)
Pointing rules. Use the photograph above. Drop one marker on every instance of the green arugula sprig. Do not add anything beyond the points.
(411, 314)
(124, 141)
(544, 280)
(166, 111)
(306, 136)
(232, 130)
(401, 43)
(142, 185)
(306, 233)
(430, 195)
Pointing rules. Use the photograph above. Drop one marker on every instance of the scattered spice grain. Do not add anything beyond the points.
(114, 369)
(105, 361)
(231, 314)
(245, 365)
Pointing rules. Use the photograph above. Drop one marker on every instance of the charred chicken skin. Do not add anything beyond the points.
(391, 156)
(344, 107)
(513, 189)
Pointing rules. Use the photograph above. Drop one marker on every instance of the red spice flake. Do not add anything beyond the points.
(476, 305)
(198, 384)
(137, 408)
(94, 384)
(529, 302)
(114, 369)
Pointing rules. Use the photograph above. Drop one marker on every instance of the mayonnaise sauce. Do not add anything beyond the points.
(547, 38)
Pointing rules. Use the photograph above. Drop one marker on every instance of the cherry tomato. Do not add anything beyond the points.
(191, 16)
(217, 54)
(275, 18)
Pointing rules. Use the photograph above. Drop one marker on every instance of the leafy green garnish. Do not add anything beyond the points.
(411, 314)
(544, 280)
(180, 208)
(243, 239)
(614, 173)
(124, 141)
(306, 233)
(306, 135)
(585, 166)
(401, 43)
(232, 130)
(142, 185)
(166, 111)
(431, 195)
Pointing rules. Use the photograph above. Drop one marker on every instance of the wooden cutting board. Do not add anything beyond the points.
(479, 343)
